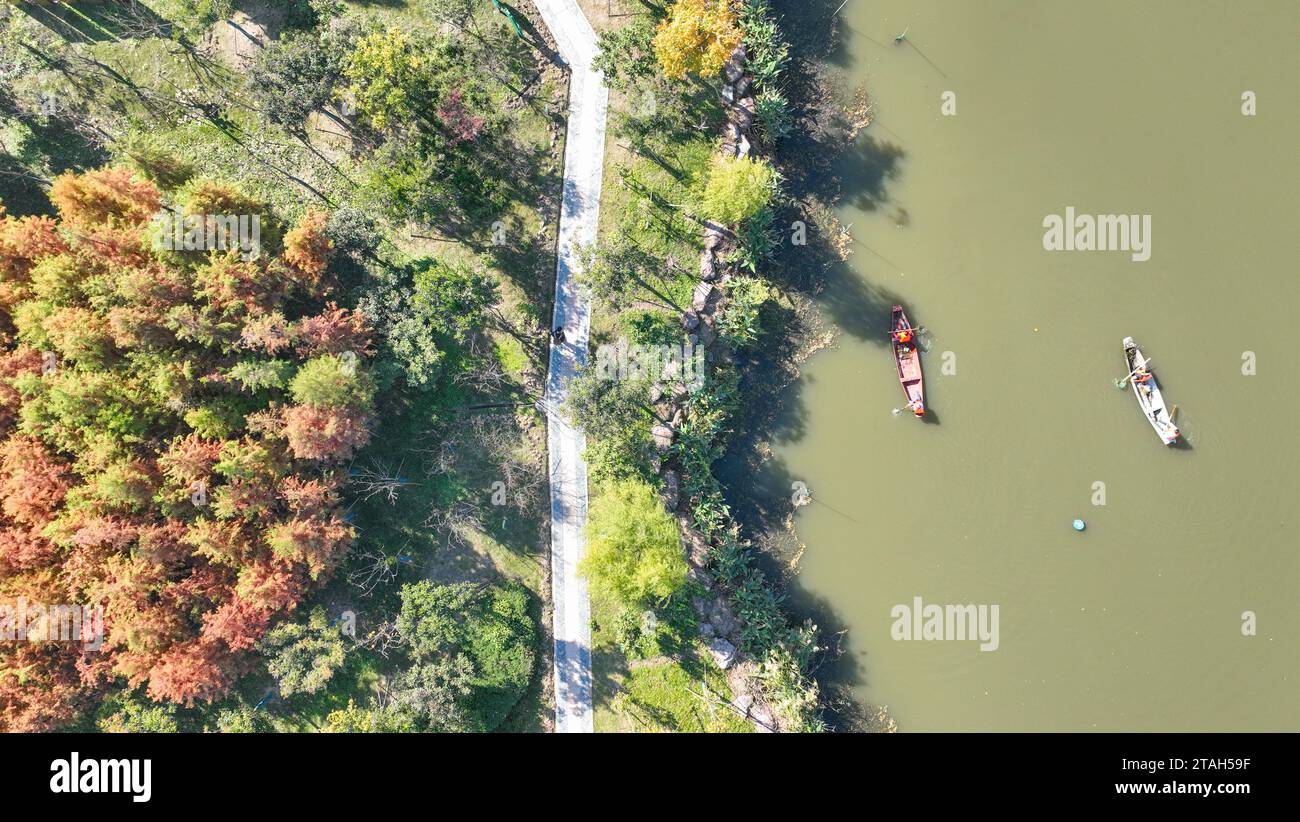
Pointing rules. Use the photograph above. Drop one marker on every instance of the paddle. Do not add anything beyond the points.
(918, 331)
(1124, 381)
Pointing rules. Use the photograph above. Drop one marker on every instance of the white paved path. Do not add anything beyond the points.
(584, 153)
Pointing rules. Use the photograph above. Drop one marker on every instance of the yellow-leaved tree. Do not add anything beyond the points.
(697, 36)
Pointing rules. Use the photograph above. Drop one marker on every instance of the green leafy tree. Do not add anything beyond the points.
(737, 189)
(295, 75)
(452, 300)
(616, 419)
(626, 54)
(634, 553)
(244, 720)
(332, 380)
(618, 273)
(128, 713)
(303, 657)
(473, 648)
(433, 696)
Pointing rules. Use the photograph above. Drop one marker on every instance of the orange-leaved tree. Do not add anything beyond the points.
(163, 457)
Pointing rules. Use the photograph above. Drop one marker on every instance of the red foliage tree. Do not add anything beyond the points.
(454, 115)
(21, 549)
(307, 248)
(271, 584)
(326, 434)
(21, 360)
(96, 488)
(334, 331)
(310, 498)
(32, 481)
(316, 542)
(270, 333)
(237, 622)
(193, 672)
(106, 197)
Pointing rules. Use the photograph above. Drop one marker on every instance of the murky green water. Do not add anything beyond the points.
(1113, 108)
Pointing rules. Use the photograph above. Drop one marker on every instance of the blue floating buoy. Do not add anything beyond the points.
(1079, 525)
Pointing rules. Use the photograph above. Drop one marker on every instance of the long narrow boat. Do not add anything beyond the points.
(907, 358)
(1147, 391)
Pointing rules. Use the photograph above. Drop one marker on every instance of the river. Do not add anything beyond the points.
(1110, 108)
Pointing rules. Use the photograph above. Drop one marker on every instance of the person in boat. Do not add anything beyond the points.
(1141, 374)
(918, 408)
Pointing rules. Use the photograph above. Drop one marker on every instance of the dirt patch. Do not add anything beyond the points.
(235, 40)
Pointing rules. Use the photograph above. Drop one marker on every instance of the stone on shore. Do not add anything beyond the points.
(721, 617)
(724, 653)
(743, 114)
(663, 437)
(671, 491)
(708, 269)
(734, 67)
(705, 297)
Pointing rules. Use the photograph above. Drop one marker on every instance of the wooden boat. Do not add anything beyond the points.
(1147, 391)
(907, 358)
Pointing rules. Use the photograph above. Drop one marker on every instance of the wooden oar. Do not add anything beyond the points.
(1123, 382)
(918, 331)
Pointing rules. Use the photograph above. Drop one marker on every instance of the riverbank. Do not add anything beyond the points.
(763, 251)
(814, 158)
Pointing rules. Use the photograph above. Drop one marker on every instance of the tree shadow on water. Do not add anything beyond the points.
(865, 168)
(858, 307)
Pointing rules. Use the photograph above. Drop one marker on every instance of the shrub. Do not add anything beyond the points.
(773, 112)
(737, 189)
(634, 553)
(739, 319)
(767, 53)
